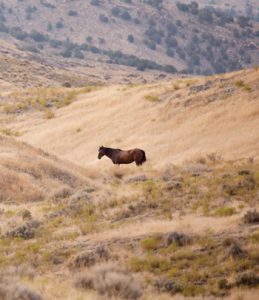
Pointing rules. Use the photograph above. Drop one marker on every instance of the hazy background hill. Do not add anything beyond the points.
(203, 37)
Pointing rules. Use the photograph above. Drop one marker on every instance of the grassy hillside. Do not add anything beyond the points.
(185, 224)
(30, 175)
(168, 36)
(75, 75)
(173, 121)
(170, 233)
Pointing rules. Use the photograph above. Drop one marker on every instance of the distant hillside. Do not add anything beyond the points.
(163, 35)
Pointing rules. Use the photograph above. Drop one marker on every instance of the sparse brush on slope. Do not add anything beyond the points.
(111, 282)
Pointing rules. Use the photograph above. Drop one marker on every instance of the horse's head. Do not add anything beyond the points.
(101, 152)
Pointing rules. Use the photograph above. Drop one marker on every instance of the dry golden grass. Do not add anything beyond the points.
(172, 130)
(206, 197)
(29, 175)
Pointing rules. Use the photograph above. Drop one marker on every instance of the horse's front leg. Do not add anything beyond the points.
(115, 162)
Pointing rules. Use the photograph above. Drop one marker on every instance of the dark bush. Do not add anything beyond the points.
(30, 48)
(130, 38)
(103, 18)
(3, 28)
(179, 23)
(95, 2)
(78, 54)
(178, 239)
(47, 4)
(89, 39)
(252, 216)
(243, 21)
(72, 13)
(167, 69)
(26, 231)
(136, 21)
(18, 33)
(116, 11)
(170, 52)
(195, 39)
(246, 58)
(236, 252)
(171, 42)
(219, 67)
(38, 37)
(154, 35)
(55, 43)
(89, 258)
(31, 9)
(141, 64)
(171, 29)
(194, 8)
(183, 7)
(125, 15)
(49, 27)
(67, 53)
(2, 17)
(168, 286)
(205, 16)
(59, 24)
(101, 41)
(155, 3)
(247, 279)
(94, 49)
(181, 53)
(236, 33)
(151, 45)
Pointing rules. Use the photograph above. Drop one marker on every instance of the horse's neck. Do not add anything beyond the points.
(109, 152)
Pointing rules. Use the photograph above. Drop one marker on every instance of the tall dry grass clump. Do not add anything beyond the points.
(111, 282)
(12, 290)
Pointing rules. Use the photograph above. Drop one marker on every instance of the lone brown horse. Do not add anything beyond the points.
(119, 156)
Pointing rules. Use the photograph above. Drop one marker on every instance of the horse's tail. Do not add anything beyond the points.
(142, 158)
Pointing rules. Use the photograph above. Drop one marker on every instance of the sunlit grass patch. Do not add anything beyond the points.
(49, 114)
(10, 132)
(254, 238)
(225, 211)
(152, 98)
(242, 84)
(150, 263)
(151, 243)
(43, 98)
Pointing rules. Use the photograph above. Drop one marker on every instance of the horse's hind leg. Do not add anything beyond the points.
(137, 160)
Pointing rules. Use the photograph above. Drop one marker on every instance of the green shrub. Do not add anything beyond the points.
(225, 211)
(151, 243)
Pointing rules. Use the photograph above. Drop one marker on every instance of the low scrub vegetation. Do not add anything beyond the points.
(151, 233)
(45, 99)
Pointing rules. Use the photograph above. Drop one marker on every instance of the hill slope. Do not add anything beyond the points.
(184, 224)
(31, 175)
(172, 121)
(162, 35)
